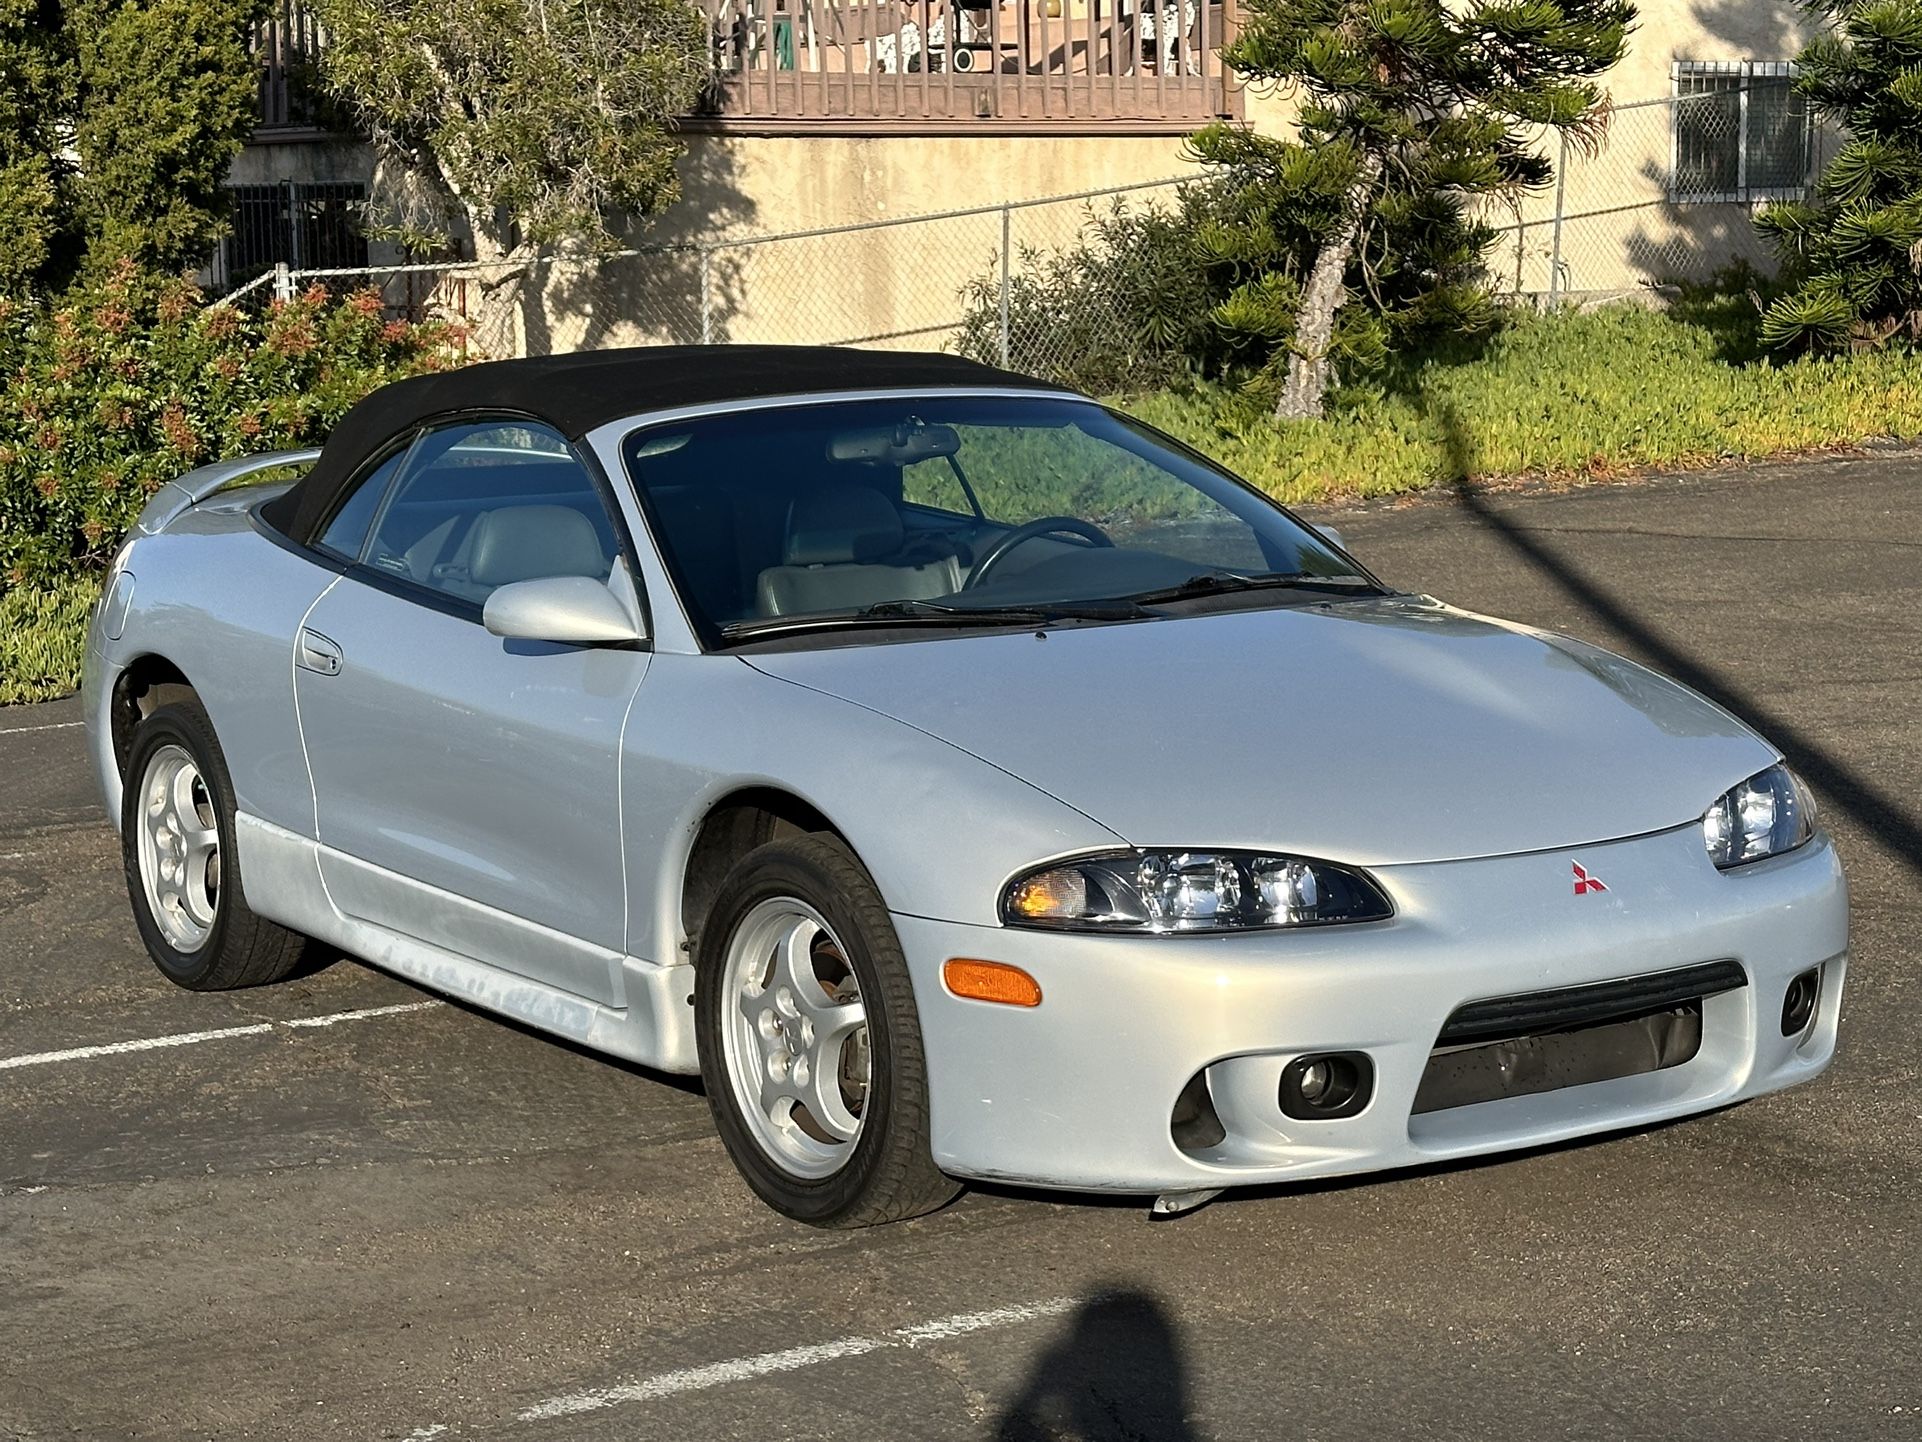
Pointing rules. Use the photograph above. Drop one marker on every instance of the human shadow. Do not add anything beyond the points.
(1882, 815)
(1118, 1375)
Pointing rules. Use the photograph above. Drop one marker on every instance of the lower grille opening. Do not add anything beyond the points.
(1195, 1124)
(1460, 1076)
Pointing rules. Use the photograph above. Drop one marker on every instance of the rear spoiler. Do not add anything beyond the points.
(194, 487)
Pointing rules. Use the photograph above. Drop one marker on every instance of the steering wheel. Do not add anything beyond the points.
(1087, 531)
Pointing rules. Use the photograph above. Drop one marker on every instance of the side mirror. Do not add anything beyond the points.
(574, 609)
(1331, 536)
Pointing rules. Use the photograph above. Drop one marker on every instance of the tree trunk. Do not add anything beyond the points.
(503, 290)
(1310, 367)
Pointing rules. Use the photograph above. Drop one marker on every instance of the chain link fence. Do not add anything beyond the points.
(1666, 194)
(913, 283)
(1670, 190)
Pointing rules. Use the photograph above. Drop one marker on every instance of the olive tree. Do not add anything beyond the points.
(521, 127)
(1414, 115)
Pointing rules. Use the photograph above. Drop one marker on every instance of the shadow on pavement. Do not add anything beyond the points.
(1117, 1376)
(1899, 832)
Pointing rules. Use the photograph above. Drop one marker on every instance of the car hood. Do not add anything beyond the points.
(1374, 731)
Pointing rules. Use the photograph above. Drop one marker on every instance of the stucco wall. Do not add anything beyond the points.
(764, 185)
(899, 285)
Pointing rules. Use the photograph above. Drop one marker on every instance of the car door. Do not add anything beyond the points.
(467, 787)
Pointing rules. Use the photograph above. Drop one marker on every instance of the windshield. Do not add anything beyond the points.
(954, 510)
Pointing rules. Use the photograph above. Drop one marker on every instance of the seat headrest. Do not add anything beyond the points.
(842, 523)
(522, 543)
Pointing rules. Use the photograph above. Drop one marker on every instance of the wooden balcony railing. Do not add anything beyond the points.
(875, 66)
(880, 66)
(286, 47)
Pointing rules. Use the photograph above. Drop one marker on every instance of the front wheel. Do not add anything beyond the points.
(810, 1041)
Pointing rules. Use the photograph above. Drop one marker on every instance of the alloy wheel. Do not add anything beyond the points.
(179, 847)
(795, 1037)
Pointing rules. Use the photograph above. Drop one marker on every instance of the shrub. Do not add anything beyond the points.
(1127, 307)
(124, 386)
(127, 384)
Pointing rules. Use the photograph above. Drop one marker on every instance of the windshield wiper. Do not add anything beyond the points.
(1124, 609)
(1222, 583)
(937, 613)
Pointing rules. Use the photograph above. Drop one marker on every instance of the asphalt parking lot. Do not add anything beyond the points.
(337, 1208)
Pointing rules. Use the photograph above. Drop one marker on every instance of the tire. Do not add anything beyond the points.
(808, 901)
(183, 873)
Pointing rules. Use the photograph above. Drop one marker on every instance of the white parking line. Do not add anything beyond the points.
(194, 1038)
(50, 726)
(337, 1017)
(744, 1369)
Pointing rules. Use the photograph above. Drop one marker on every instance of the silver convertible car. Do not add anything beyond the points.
(964, 779)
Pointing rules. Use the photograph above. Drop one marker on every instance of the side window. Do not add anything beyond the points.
(934, 484)
(347, 532)
(485, 504)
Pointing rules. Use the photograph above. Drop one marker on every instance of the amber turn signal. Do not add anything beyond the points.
(991, 981)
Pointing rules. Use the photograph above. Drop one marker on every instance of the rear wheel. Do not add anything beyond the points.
(183, 877)
(810, 1041)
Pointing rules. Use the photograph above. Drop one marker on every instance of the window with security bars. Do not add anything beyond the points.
(1742, 132)
(303, 226)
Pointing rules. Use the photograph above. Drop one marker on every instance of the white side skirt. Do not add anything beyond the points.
(281, 873)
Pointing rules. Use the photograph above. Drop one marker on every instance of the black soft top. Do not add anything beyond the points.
(576, 393)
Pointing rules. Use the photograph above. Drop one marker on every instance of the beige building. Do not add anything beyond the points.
(836, 113)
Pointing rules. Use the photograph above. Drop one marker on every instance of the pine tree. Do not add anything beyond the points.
(30, 83)
(1853, 256)
(118, 122)
(166, 93)
(1414, 114)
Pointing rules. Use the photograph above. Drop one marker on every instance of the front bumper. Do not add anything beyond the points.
(1079, 1092)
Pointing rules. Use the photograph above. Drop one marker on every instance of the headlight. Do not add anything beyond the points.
(1767, 814)
(1189, 891)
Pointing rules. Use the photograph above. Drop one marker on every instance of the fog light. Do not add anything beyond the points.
(1327, 1086)
(1798, 1004)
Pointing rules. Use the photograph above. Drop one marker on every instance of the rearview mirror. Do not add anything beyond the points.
(900, 445)
(575, 609)
(1331, 536)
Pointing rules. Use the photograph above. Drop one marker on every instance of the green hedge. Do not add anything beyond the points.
(107, 397)
(1558, 395)
(119, 389)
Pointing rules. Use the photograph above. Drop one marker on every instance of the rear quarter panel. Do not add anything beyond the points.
(221, 602)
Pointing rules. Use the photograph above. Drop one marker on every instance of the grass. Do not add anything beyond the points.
(42, 634)
(1561, 395)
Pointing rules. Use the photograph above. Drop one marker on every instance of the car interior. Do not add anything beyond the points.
(829, 529)
(471, 523)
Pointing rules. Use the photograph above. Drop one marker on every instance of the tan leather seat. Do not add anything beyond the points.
(846, 549)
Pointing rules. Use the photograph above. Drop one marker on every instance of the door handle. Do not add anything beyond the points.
(317, 653)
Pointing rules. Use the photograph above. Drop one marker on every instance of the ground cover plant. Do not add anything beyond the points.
(1563, 394)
